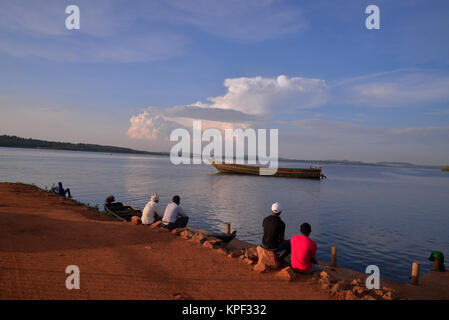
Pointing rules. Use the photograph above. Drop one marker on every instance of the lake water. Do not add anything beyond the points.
(384, 216)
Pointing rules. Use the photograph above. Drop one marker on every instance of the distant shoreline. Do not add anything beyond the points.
(24, 143)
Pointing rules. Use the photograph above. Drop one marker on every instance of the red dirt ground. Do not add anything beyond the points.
(41, 234)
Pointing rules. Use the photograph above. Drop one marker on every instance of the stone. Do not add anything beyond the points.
(156, 224)
(349, 295)
(222, 251)
(379, 292)
(136, 220)
(214, 241)
(335, 288)
(251, 253)
(260, 268)
(267, 260)
(198, 237)
(368, 297)
(236, 253)
(248, 261)
(207, 244)
(387, 296)
(358, 290)
(341, 295)
(186, 234)
(356, 282)
(326, 277)
(177, 231)
(286, 274)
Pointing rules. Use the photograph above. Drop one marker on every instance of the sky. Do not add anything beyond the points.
(135, 71)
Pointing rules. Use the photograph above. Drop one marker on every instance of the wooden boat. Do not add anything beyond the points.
(122, 211)
(308, 173)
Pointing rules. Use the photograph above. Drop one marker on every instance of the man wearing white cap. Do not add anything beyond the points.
(152, 210)
(274, 232)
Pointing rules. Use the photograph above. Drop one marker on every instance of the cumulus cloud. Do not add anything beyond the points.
(151, 125)
(247, 102)
(265, 95)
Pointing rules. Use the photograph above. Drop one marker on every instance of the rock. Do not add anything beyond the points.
(368, 297)
(198, 237)
(286, 274)
(349, 295)
(387, 296)
(379, 292)
(335, 288)
(326, 277)
(341, 295)
(267, 260)
(248, 261)
(251, 253)
(207, 244)
(358, 290)
(221, 251)
(236, 253)
(260, 268)
(357, 282)
(214, 241)
(177, 231)
(156, 224)
(186, 234)
(136, 220)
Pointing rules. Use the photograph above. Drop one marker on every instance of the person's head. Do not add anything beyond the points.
(176, 199)
(110, 199)
(60, 184)
(306, 229)
(154, 197)
(276, 208)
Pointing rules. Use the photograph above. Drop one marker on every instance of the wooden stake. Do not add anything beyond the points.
(333, 256)
(415, 273)
(436, 265)
(228, 228)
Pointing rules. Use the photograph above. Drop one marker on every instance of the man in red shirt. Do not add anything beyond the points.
(303, 251)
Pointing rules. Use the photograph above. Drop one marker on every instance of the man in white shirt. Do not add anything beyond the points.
(152, 210)
(174, 216)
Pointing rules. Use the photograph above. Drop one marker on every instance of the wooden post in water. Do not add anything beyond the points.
(415, 273)
(436, 265)
(333, 256)
(228, 228)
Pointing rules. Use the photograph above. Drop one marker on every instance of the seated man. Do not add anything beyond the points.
(61, 191)
(174, 216)
(274, 231)
(152, 210)
(304, 251)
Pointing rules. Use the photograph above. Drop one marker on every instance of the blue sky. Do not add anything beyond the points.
(334, 89)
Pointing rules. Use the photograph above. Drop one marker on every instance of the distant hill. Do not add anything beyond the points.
(17, 142)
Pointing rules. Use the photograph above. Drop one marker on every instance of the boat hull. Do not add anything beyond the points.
(312, 173)
(125, 212)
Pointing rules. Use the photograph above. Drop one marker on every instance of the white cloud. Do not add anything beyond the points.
(395, 88)
(267, 95)
(249, 20)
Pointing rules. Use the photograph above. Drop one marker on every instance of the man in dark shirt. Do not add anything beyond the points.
(274, 232)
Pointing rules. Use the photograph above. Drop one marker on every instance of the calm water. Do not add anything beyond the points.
(389, 217)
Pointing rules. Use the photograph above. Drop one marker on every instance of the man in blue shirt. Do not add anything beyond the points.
(61, 191)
